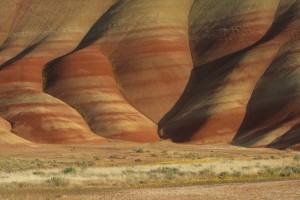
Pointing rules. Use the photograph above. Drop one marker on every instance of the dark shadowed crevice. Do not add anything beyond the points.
(53, 70)
(100, 27)
(205, 80)
(247, 138)
(290, 138)
(46, 31)
(275, 96)
(96, 31)
(268, 100)
(22, 54)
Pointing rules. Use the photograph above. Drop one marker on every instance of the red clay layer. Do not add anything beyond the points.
(202, 71)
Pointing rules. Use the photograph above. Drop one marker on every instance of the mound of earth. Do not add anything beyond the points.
(201, 71)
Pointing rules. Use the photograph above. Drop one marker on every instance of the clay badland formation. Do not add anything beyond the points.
(205, 71)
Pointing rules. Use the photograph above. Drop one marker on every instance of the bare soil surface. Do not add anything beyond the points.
(239, 191)
(176, 163)
(282, 190)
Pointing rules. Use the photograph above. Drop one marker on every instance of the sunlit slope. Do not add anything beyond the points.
(203, 71)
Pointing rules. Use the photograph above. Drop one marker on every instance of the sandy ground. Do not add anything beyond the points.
(249, 191)
(125, 154)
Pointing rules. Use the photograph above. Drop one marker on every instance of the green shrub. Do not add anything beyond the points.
(296, 157)
(248, 167)
(139, 150)
(258, 158)
(236, 173)
(69, 170)
(294, 169)
(38, 173)
(286, 172)
(113, 157)
(96, 157)
(58, 181)
(168, 172)
(164, 152)
(271, 171)
(223, 175)
(128, 172)
(207, 172)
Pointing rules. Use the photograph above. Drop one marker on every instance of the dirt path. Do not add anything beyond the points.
(249, 191)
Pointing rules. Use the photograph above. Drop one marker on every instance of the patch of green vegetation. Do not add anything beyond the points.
(257, 164)
(128, 171)
(38, 173)
(168, 172)
(164, 152)
(237, 174)
(139, 150)
(288, 171)
(113, 157)
(57, 181)
(258, 158)
(191, 155)
(246, 167)
(16, 164)
(84, 164)
(207, 172)
(223, 175)
(96, 157)
(69, 170)
(296, 157)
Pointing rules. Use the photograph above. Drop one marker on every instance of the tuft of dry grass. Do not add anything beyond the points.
(156, 174)
(142, 166)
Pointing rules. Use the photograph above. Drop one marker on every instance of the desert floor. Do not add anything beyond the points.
(231, 191)
(161, 170)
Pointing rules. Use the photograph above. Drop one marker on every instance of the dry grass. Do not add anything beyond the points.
(141, 166)
(156, 173)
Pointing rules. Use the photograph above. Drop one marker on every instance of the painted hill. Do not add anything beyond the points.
(202, 71)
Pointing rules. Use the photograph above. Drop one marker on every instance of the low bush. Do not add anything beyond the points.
(69, 170)
(58, 181)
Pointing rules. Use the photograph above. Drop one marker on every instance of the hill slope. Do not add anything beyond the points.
(200, 71)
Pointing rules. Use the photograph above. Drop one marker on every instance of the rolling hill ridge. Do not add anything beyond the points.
(200, 71)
